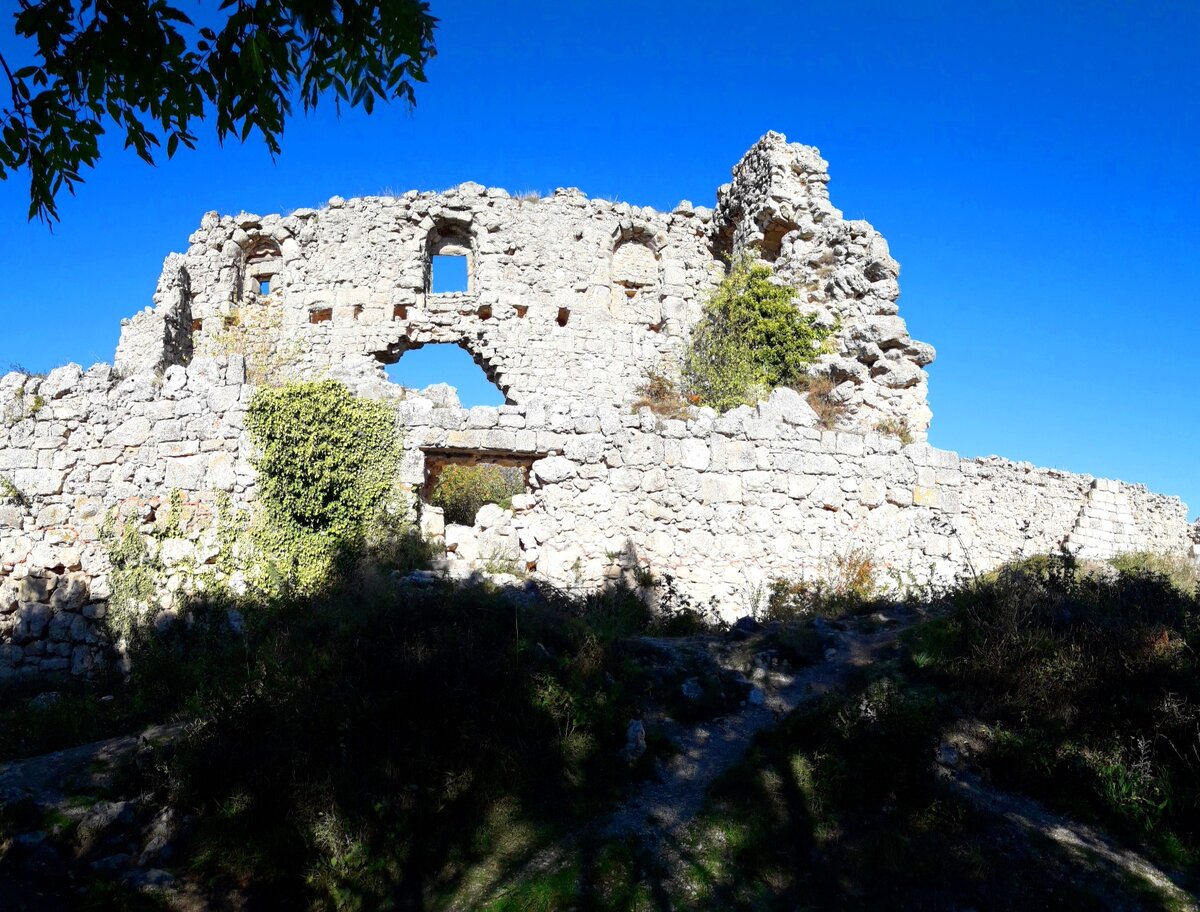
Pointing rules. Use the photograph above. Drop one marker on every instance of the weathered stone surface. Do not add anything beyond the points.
(570, 304)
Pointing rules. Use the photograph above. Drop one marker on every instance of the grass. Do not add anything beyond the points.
(660, 393)
(818, 390)
(1089, 683)
(379, 744)
(417, 747)
(895, 427)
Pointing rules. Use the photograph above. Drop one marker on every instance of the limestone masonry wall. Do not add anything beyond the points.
(570, 302)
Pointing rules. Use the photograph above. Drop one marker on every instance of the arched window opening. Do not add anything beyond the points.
(264, 261)
(771, 245)
(635, 280)
(449, 265)
(443, 365)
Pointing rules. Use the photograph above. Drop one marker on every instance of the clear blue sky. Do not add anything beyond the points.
(1033, 166)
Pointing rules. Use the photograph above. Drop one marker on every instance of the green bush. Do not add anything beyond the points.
(750, 340)
(461, 490)
(1183, 573)
(327, 473)
(1089, 680)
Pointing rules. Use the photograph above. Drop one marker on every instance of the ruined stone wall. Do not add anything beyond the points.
(81, 449)
(778, 207)
(567, 296)
(570, 303)
(723, 503)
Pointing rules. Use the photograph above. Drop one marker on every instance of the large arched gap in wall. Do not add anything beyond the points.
(393, 353)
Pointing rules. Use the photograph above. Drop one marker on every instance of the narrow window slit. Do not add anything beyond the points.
(563, 315)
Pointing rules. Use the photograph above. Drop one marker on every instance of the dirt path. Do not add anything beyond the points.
(661, 809)
(706, 750)
(1029, 817)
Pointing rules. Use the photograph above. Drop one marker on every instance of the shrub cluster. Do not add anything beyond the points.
(750, 339)
(379, 738)
(1090, 682)
(460, 490)
(850, 584)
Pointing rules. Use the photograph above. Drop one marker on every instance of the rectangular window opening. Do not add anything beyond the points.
(448, 274)
(264, 286)
(324, 315)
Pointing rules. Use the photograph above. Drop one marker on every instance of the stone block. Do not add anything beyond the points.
(720, 489)
(32, 620)
(553, 469)
(133, 432)
(186, 473)
(923, 496)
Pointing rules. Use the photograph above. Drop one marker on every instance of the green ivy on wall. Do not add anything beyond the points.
(327, 469)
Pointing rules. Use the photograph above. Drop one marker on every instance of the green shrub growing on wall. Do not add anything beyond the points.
(461, 490)
(750, 340)
(327, 473)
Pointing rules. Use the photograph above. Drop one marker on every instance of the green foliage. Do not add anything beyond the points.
(327, 476)
(10, 493)
(461, 490)
(1182, 571)
(148, 70)
(133, 577)
(365, 742)
(850, 584)
(750, 340)
(1090, 682)
(841, 807)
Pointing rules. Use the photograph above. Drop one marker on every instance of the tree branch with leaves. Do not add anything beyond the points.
(144, 67)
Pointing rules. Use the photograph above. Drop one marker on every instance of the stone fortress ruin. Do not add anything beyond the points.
(570, 304)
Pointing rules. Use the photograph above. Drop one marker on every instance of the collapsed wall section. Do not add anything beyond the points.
(777, 208)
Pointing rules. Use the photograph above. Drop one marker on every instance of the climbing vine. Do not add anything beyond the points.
(327, 476)
(750, 339)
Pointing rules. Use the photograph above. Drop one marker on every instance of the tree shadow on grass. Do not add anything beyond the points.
(370, 746)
